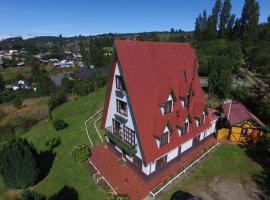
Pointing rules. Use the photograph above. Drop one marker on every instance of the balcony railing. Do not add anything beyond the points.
(127, 148)
(120, 118)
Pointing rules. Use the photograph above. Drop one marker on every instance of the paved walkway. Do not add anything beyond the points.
(126, 181)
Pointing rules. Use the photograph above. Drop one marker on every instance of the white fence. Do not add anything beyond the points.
(154, 194)
(85, 124)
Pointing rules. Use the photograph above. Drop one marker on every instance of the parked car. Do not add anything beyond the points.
(183, 196)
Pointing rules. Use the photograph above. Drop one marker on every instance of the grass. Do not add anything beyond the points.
(10, 73)
(64, 171)
(228, 161)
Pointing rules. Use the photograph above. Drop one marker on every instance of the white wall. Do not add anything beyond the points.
(172, 154)
(185, 146)
(168, 99)
(112, 109)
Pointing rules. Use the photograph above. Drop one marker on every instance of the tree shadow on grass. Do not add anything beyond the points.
(260, 153)
(66, 193)
(45, 162)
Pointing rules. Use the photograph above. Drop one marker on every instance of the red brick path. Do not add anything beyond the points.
(126, 181)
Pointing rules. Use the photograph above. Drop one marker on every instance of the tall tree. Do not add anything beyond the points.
(250, 20)
(215, 12)
(18, 165)
(2, 83)
(268, 19)
(224, 17)
(230, 26)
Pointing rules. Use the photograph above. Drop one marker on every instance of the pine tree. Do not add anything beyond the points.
(18, 165)
(224, 17)
(250, 20)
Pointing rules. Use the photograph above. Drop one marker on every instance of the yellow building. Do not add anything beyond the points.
(242, 125)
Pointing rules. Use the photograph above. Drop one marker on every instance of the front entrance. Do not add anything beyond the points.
(196, 141)
(160, 162)
(137, 162)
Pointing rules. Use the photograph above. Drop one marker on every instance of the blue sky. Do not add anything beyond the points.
(30, 18)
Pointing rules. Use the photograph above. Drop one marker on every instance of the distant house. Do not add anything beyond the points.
(81, 74)
(240, 125)
(64, 64)
(22, 84)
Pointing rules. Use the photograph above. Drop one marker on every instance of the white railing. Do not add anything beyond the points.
(154, 194)
(97, 129)
(86, 128)
(102, 177)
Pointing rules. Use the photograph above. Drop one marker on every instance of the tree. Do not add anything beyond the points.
(57, 99)
(216, 12)
(230, 26)
(18, 165)
(268, 19)
(224, 17)
(2, 83)
(250, 20)
(67, 85)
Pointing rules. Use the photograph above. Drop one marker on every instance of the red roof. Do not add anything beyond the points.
(238, 113)
(151, 71)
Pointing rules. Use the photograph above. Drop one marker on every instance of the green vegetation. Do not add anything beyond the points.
(30, 195)
(81, 152)
(18, 165)
(62, 169)
(227, 162)
(59, 124)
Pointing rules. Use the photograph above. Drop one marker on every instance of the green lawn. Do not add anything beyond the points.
(64, 170)
(228, 161)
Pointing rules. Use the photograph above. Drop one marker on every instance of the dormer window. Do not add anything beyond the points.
(164, 139)
(201, 120)
(185, 128)
(119, 83)
(168, 107)
(185, 101)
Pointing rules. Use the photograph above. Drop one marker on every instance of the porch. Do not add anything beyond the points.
(126, 180)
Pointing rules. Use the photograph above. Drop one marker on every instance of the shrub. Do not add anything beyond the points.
(31, 195)
(18, 165)
(52, 142)
(17, 102)
(81, 152)
(57, 100)
(59, 124)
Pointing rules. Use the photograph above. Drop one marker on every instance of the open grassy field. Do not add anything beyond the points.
(37, 107)
(62, 170)
(228, 163)
(10, 73)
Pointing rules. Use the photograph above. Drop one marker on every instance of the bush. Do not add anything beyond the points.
(18, 165)
(81, 152)
(59, 124)
(57, 100)
(30, 195)
(52, 142)
(17, 103)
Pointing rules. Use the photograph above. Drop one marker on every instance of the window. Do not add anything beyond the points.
(164, 139)
(116, 127)
(200, 120)
(129, 136)
(168, 107)
(185, 100)
(119, 83)
(244, 131)
(185, 128)
(121, 107)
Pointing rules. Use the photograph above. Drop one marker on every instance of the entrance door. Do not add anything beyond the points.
(160, 162)
(138, 162)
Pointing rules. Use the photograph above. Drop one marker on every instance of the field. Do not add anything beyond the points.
(62, 170)
(10, 73)
(225, 174)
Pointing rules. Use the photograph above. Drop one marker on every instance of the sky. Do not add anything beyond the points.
(30, 18)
